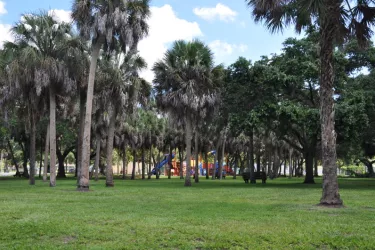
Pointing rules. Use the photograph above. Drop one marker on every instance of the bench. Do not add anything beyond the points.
(258, 175)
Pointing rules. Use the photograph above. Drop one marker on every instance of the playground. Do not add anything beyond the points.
(159, 214)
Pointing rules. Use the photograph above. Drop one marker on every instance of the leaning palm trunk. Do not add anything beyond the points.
(330, 194)
(111, 135)
(46, 150)
(52, 133)
(82, 100)
(84, 182)
(196, 156)
(97, 156)
(188, 138)
(32, 149)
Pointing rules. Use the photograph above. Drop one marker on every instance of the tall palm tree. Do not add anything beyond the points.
(103, 22)
(337, 20)
(184, 84)
(46, 39)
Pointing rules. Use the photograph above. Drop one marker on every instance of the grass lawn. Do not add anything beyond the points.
(163, 214)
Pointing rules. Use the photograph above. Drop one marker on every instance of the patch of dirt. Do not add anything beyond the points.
(68, 239)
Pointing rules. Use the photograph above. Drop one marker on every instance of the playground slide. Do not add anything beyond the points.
(161, 164)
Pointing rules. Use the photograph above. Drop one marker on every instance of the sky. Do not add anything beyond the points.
(225, 25)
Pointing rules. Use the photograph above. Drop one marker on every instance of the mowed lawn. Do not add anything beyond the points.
(163, 214)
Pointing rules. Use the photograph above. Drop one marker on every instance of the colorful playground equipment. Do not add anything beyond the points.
(162, 163)
(203, 167)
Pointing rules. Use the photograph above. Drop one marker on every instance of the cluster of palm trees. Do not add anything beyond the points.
(92, 79)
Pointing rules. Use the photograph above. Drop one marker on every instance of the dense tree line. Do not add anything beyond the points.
(66, 93)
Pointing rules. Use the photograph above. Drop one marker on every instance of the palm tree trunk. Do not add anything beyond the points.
(111, 134)
(180, 154)
(46, 150)
(32, 148)
(134, 164)
(143, 163)
(52, 134)
(84, 183)
(196, 145)
(124, 162)
(330, 194)
(206, 161)
(97, 155)
(150, 158)
(82, 99)
(188, 138)
(251, 156)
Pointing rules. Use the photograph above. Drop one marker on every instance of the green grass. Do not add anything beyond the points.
(163, 214)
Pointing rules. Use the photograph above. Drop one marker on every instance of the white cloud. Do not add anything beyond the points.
(223, 50)
(5, 35)
(61, 15)
(2, 8)
(221, 11)
(165, 28)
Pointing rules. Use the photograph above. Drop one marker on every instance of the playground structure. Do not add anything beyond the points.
(202, 167)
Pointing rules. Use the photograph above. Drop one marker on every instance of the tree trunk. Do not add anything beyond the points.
(143, 163)
(370, 169)
(124, 162)
(206, 161)
(61, 169)
(97, 155)
(222, 155)
(196, 145)
(46, 150)
(181, 158)
(157, 173)
(290, 164)
(82, 100)
(84, 183)
(169, 164)
(258, 161)
(52, 131)
(188, 138)
(111, 134)
(316, 173)
(41, 158)
(309, 162)
(251, 156)
(13, 159)
(329, 21)
(150, 159)
(134, 164)
(32, 148)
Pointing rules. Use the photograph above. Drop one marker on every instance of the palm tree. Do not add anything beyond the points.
(46, 39)
(184, 84)
(337, 21)
(103, 22)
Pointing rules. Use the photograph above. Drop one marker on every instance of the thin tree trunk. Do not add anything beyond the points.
(157, 173)
(46, 150)
(235, 165)
(32, 149)
(111, 134)
(222, 155)
(82, 100)
(14, 159)
(181, 157)
(84, 183)
(52, 142)
(290, 164)
(134, 164)
(143, 163)
(258, 161)
(124, 162)
(97, 155)
(206, 162)
(251, 155)
(329, 21)
(188, 138)
(41, 158)
(196, 145)
(309, 160)
(150, 158)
